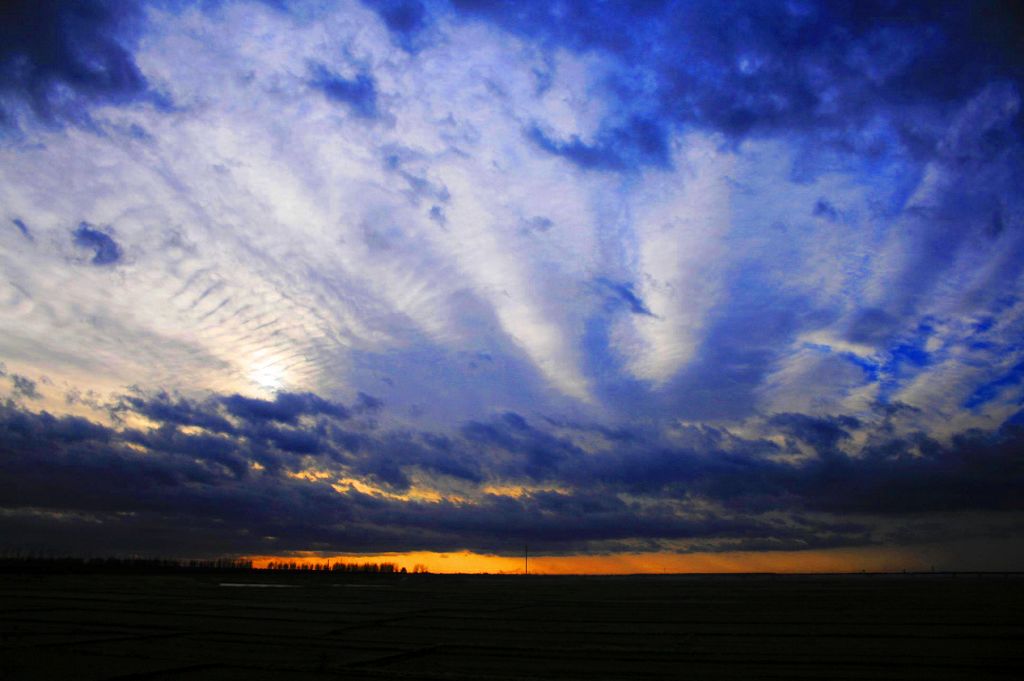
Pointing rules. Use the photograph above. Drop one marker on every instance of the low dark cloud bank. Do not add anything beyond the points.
(222, 475)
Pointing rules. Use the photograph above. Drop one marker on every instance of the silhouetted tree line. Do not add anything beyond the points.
(35, 563)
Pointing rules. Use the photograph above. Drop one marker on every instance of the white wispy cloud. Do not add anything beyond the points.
(276, 234)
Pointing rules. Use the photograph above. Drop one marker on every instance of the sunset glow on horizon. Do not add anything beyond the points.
(784, 562)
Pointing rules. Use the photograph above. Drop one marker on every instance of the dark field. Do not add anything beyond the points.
(187, 626)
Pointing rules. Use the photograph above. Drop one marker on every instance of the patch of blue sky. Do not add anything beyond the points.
(997, 388)
(983, 324)
(1016, 420)
(894, 367)
(871, 368)
(606, 367)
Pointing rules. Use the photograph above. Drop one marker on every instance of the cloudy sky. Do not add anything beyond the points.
(649, 284)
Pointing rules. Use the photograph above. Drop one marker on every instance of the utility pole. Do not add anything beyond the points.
(526, 559)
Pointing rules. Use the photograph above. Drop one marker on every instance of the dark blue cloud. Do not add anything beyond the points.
(827, 69)
(537, 454)
(179, 411)
(624, 294)
(977, 470)
(25, 387)
(285, 407)
(641, 141)
(404, 18)
(61, 57)
(217, 450)
(824, 209)
(537, 224)
(24, 427)
(107, 251)
(895, 476)
(365, 402)
(23, 228)
(204, 484)
(348, 441)
(267, 426)
(293, 440)
(359, 94)
(823, 434)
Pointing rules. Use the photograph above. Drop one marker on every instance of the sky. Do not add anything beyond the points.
(643, 286)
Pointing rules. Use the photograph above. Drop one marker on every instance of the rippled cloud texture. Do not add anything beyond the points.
(597, 277)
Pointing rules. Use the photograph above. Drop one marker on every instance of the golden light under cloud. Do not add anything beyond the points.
(874, 559)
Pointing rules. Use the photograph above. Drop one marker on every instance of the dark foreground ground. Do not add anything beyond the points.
(191, 626)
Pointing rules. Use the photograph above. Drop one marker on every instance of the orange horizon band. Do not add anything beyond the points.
(467, 562)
